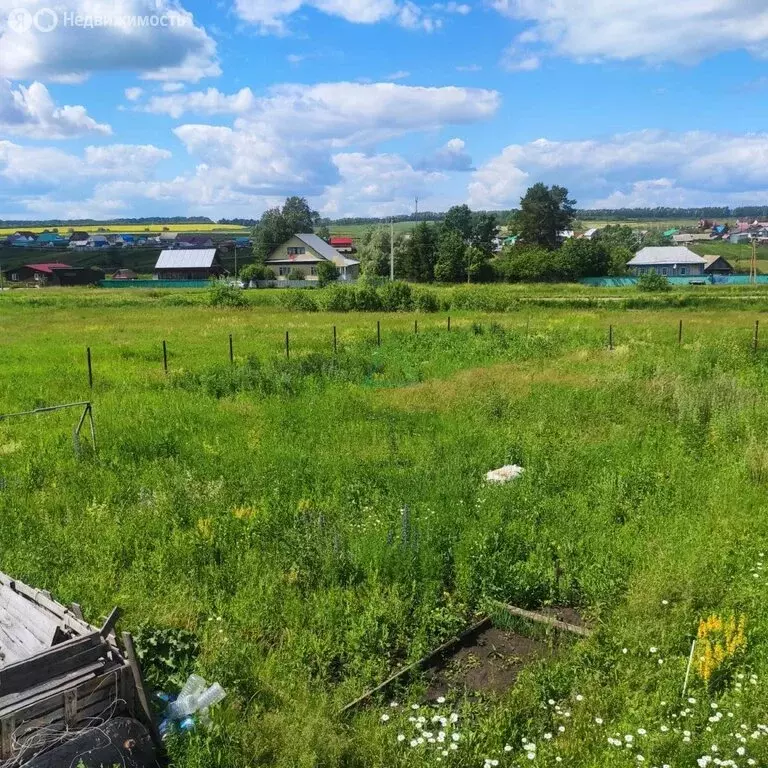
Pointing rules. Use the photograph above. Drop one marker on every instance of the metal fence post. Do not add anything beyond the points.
(287, 346)
(757, 334)
(165, 357)
(610, 337)
(680, 334)
(378, 333)
(334, 340)
(90, 368)
(231, 350)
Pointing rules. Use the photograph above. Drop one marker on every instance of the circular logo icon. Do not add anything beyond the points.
(20, 20)
(46, 20)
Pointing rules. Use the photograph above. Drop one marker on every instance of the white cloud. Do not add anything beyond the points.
(32, 112)
(209, 102)
(134, 94)
(401, 74)
(452, 156)
(20, 165)
(515, 60)
(173, 87)
(651, 165)
(350, 113)
(270, 15)
(377, 185)
(179, 50)
(651, 30)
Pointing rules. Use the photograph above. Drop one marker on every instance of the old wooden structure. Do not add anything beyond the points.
(58, 674)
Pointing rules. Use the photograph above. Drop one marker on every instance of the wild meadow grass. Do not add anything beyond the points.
(306, 526)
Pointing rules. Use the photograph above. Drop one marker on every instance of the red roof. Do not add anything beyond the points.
(48, 268)
(341, 242)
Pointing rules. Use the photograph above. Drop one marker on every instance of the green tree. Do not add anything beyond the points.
(582, 258)
(459, 219)
(653, 282)
(619, 258)
(527, 264)
(450, 266)
(373, 252)
(417, 261)
(323, 232)
(327, 272)
(478, 265)
(279, 224)
(544, 211)
(485, 229)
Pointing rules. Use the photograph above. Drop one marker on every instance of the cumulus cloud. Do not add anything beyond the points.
(452, 156)
(348, 113)
(376, 184)
(651, 30)
(209, 102)
(134, 94)
(270, 15)
(21, 165)
(32, 112)
(660, 167)
(177, 50)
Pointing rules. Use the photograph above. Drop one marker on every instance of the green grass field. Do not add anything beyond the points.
(299, 529)
(108, 228)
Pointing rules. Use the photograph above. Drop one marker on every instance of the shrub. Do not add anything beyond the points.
(298, 300)
(327, 272)
(222, 294)
(426, 301)
(256, 272)
(367, 299)
(653, 282)
(396, 297)
(339, 298)
(296, 274)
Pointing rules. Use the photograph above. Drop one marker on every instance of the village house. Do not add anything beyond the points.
(717, 265)
(177, 264)
(53, 273)
(303, 252)
(669, 261)
(343, 244)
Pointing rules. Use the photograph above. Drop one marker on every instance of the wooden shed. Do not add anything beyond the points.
(58, 674)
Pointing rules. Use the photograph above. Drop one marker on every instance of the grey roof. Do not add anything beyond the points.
(320, 246)
(653, 255)
(200, 258)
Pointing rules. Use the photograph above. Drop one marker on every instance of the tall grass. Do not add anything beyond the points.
(317, 522)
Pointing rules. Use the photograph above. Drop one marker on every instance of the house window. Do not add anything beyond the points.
(296, 251)
(313, 271)
(664, 271)
(283, 271)
(683, 270)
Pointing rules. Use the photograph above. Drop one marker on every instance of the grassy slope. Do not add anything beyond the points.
(278, 510)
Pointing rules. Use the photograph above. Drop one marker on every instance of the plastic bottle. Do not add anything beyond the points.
(186, 703)
(210, 697)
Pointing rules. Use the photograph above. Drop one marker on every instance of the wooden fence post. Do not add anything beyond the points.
(287, 346)
(757, 335)
(334, 340)
(610, 337)
(90, 368)
(231, 350)
(449, 322)
(416, 327)
(378, 333)
(165, 357)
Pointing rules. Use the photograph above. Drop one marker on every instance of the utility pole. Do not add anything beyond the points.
(391, 248)
(753, 263)
(417, 208)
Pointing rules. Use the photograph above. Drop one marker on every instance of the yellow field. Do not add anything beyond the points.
(132, 228)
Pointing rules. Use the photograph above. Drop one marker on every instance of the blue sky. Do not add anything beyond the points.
(157, 107)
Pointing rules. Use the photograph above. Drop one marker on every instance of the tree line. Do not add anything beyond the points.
(463, 246)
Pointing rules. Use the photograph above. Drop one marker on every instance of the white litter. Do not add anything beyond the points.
(504, 474)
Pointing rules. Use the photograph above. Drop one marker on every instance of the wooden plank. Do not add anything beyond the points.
(7, 727)
(43, 599)
(52, 703)
(38, 621)
(543, 619)
(423, 663)
(17, 627)
(16, 701)
(70, 708)
(109, 624)
(54, 662)
(141, 695)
